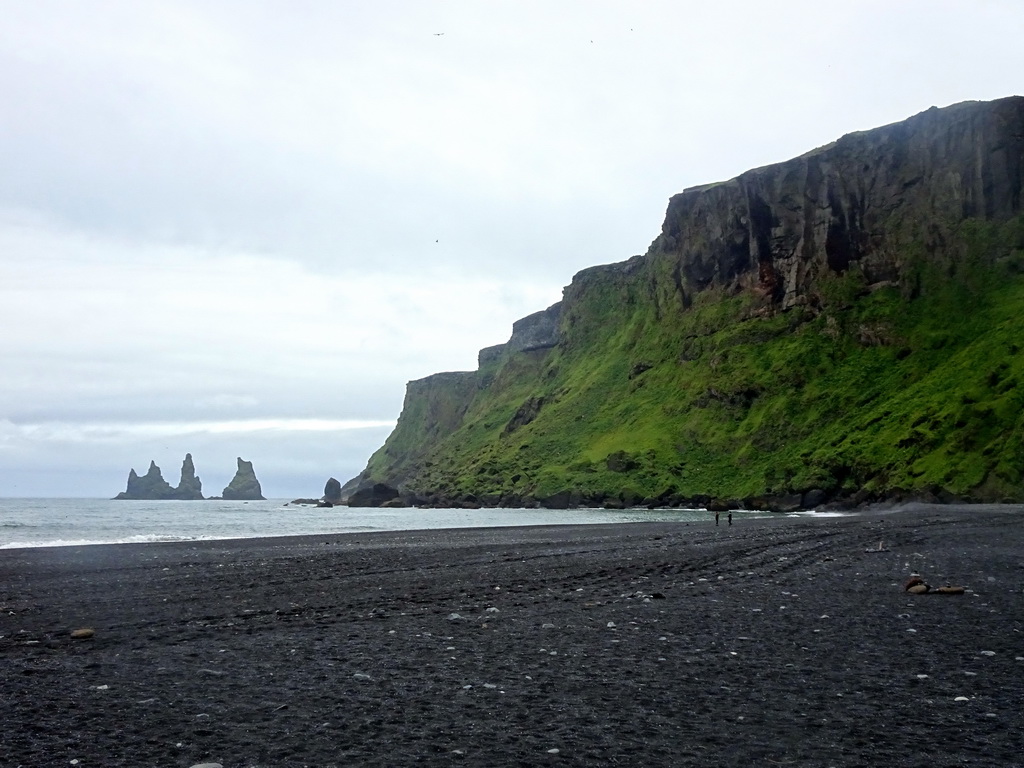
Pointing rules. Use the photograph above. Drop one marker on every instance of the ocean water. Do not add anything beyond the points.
(71, 522)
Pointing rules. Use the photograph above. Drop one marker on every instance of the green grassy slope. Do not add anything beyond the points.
(911, 387)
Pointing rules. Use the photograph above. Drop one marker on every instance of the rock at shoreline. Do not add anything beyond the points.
(332, 491)
(243, 486)
(375, 495)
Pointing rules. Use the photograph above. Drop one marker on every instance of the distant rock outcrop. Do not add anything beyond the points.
(332, 491)
(150, 486)
(153, 487)
(190, 486)
(244, 486)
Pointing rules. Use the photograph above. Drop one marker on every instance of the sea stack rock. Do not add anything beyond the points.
(244, 486)
(190, 486)
(150, 486)
(332, 491)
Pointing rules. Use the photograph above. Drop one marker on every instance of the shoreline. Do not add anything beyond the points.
(99, 524)
(780, 640)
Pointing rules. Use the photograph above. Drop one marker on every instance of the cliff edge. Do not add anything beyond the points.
(840, 327)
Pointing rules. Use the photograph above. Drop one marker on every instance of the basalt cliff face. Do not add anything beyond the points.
(843, 326)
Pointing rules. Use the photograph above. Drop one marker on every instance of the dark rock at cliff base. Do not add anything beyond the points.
(243, 486)
(190, 486)
(375, 495)
(332, 491)
(150, 486)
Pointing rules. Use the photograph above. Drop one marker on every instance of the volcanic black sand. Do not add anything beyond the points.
(772, 642)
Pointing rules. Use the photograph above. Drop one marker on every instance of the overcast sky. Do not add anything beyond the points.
(239, 228)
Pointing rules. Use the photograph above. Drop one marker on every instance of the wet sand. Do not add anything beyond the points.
(783, 641)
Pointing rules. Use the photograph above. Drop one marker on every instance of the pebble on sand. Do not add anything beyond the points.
(82, 634)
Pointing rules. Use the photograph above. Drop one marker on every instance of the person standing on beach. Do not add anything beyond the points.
(730, 517)
(716, 517)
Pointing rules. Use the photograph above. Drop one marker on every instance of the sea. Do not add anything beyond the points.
(75, 522)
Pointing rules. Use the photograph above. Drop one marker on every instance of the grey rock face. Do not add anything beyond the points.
(332, 491)
(852, 204)
(190, 486)
(537, 331)
(153, 487)
(243, 486)
(150, 486)
(373, 496)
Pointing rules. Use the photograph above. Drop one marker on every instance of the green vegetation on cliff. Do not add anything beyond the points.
(877, 350)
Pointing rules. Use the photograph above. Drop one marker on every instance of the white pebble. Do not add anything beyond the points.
(961, 698)
(988, 653)
(553, 751)
(610, 624)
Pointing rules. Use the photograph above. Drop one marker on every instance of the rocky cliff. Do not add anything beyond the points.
(243, 486)
(845, 325)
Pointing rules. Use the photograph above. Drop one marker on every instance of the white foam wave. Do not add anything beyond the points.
(140, 539)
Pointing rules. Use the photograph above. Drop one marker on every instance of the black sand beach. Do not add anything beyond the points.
(772, 642)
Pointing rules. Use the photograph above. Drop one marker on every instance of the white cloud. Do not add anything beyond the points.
(111, 431)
